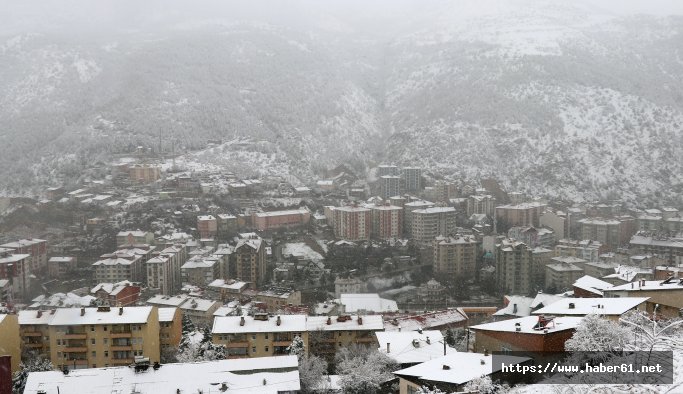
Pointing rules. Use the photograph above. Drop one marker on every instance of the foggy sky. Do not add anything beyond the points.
(114, 16)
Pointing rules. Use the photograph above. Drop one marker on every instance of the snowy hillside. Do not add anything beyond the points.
(556, 99)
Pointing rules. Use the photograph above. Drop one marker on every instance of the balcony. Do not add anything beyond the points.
(282, 343)
(75, 349)
(75, 335)
(76, 361)
(121, 334)
(121, 361)
(237, 344)
(121, 347)
(33, 345)
(32, 333)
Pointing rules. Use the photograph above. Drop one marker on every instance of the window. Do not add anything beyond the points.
(104, 328)
(266, 336)
(106, 353)
(253, 336)
(266, 348)
(253, 349)
(92, 328)
(92, 341)
(93, 354)
(106, 341)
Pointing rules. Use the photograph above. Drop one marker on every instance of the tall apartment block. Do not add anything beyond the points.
(429, 223)
(352, 223)
(455, 257)
(513, 267)
(412, 179)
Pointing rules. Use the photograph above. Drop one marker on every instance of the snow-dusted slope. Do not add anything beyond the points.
(561, 99)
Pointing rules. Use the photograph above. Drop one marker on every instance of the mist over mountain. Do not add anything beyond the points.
(563, 100)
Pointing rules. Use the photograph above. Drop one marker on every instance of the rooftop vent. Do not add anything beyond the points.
(360, 320)
(572, 305)
(518, 327)
(279, 321)
(329, 320)
(446, 367)
(241, 320)
(120, 311)
(416, 343)
(82, 311)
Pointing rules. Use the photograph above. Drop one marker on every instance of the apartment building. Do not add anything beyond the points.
(481, 204)
(227, 224)
(10, 340)
(556, 221)
(16, 269)
(412, 179)
(199, 310)
(58, 267)
(525, 214)
(276, 299)
(36, 248)
(605, 231)
(250, 259)
(119, 267)
(532, 236)
(199, 271)
(170, 328)
(123, 293)
(134, 238)
(349, 285)
(352, 223)
(207, 226)
(669, 248)
(387, 221)
(513, 267)
(264, 221)
(389, 186)
(455, 257)
(429, 223)
(92, 337)
(586, 249)
(144, 173)
(262, 336)
(560, 275)
(387, 170)
(408, 209)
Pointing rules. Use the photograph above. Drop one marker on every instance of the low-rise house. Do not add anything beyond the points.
(412, 347)
(590, 287)
(267, 375)
(438, 320)
(368, 303)
(530, 334)
(610, 308)
(122, 293)
(668, 294)
(58, 267)
(452, 372)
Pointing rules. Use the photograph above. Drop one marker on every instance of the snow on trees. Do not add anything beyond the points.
(37, 364)
(364, 370)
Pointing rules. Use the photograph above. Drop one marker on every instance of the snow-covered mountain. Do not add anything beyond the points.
(560, 99)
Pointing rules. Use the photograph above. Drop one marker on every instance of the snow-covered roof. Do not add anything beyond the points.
(649, 285)
(61, 259)
(166, 314)
(591, 284)
(160, 299)
(300, 250)
(371, 323)
(228, 284)
(434, 210)
(13, 258)
(72, 316)
(408, 347)
(62, 300)
(114, 261)
(22, 243)
(585, 306)
(206, 217)
(517, 306)
(225, 310)
(527, 324)
(370, 302)
(426, 320)
(27, 317)
(462, 367)
(111, 288)
(239, 375)
(198, 263)
(282, 213)
(198, 304)
(136, 233)
(543, 299)
(231, 324)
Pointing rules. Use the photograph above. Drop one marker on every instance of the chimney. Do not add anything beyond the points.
(388, 347)
(120, 311)
(514, 308)
(82, 311)
(329, 320)
(40, 313)
(278, 321)
(571, 305)
(486, 352)
(360, 320)
(241, 320)
(446, 367)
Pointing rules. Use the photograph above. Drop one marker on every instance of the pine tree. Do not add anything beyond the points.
(297, 348)
(33, 365)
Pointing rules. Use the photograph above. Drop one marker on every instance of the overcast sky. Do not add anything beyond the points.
(21, 16)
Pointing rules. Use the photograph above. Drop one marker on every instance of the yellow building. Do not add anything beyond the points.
(258, 336)
(10, 344)
(93, 337)
(170, 328)
(34, 330)
(262, 335)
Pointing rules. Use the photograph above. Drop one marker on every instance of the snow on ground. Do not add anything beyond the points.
(301, 251)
